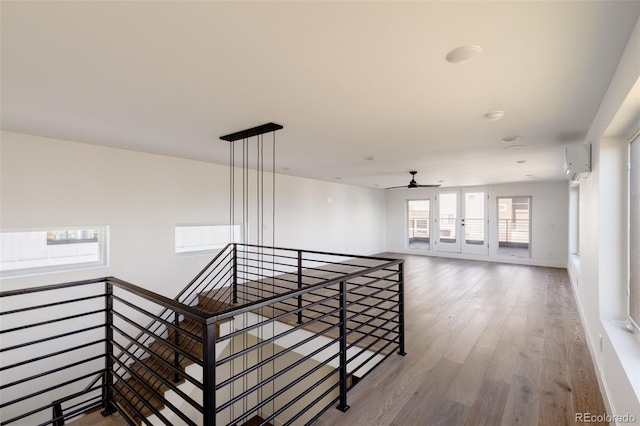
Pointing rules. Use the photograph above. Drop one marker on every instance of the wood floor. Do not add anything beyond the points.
(487, 344)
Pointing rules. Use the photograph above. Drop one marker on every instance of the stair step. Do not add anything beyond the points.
(213, 302)
(132, 399)
(256, 421)
(185, 342)
(144, 369)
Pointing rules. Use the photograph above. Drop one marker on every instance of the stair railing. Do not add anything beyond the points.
(307, 326)
(77, 352)
(53, 341)
(211, 275)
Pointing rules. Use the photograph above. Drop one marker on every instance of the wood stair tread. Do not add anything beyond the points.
(134, 398)
(146, 370)
(143, 370)
(213, 301)
(256, 421)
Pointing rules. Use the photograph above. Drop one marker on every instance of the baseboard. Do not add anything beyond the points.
(602, 383)
(503, 259)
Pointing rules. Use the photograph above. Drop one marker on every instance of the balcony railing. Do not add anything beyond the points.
(513, 233)
(474, 230)
(419, 228)
(274, 334)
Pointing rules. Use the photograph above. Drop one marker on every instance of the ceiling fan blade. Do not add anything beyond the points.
(413, 183)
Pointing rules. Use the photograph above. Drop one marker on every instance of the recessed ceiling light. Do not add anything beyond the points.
(464, 54)
(494, 115)
(376, 184)
(338, 178)
(510, 139)
(515, 147)
(440, 181)
(370, 157)
(521, 161)
(286, 168)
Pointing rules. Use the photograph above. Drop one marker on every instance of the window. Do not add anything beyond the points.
(634, 231)
(574, 220)
(205, 238)
(514, 226)
(418, 225)
(26, 252)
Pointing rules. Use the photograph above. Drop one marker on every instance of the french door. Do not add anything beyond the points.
(461, 221)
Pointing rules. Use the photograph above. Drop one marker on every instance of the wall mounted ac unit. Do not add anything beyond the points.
(577, 161)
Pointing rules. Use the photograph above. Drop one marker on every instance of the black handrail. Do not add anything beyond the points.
(30, 290)
(161, 300)
(296, 289)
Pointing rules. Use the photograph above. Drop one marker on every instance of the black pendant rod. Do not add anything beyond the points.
(254, 131)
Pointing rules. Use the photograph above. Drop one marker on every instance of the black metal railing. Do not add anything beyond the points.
(277, 333)
(53, 352)
(146, 365)
(308, 326)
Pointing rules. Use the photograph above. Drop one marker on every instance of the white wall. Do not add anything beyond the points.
(47, 183)
(601, 281)
(600, 285)
(549, 229)
(141, 197)
(318, 215)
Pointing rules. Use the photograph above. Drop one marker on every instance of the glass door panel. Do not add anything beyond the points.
(474, 223)
(419, 232)
(447, 222)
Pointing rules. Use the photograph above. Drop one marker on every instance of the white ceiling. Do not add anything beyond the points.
(347, 80)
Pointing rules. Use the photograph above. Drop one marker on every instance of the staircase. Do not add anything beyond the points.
(262, 335)
(142, 394)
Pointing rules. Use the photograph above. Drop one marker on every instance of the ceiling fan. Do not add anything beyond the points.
(413, 183)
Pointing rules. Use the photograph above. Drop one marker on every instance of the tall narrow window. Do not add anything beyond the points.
(419, 236)
(27, 252)
(634, 231)
(514, 226)
(574, 220)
